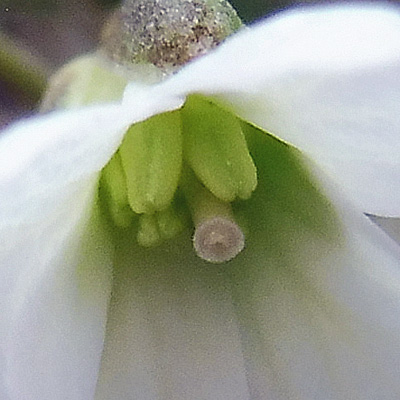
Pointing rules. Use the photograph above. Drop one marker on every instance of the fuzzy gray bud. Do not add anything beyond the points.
(167, 33)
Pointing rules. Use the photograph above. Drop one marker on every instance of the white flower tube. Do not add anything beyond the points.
(308, 310)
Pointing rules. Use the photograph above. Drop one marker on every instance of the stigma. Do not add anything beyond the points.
(218, 240)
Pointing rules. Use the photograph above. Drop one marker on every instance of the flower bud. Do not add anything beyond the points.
(167, 33)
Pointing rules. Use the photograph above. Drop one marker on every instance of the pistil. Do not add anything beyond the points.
(217, 237)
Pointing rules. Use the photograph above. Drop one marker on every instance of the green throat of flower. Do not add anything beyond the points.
(182, 167)
(177, 169)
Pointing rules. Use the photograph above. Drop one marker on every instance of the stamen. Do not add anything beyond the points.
(216, 150)
(148, 234)
(158, 227)
(170, 224)
(151, 156)
(113, 180)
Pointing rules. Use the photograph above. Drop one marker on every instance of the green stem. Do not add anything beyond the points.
(21, 70)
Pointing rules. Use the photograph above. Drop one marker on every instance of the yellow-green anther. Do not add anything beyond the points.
(155, 228)
(169, 223)
(148, 234)
(202, 203)
(121, 216)
(216, 149)
(151, 156)
(113, 181)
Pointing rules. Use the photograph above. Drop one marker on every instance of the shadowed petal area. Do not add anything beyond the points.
(55, 308)
(55, 262)
(319, 293)
(172, 330)
(324, 79)
(307, 311)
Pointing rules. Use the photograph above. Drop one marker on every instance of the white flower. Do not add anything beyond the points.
(310, 310)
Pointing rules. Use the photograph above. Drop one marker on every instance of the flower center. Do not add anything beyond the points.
(193, 161)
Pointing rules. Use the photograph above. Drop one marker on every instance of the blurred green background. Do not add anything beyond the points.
(38, 36)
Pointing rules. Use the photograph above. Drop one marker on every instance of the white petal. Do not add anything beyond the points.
(318, 291)
(41, 156)
(326, 80)
(172, 331)
(322, 318)
(308, 311)
(55, 286)
(53, 305)
(52, 329)
(329, 330)
(390, 225)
